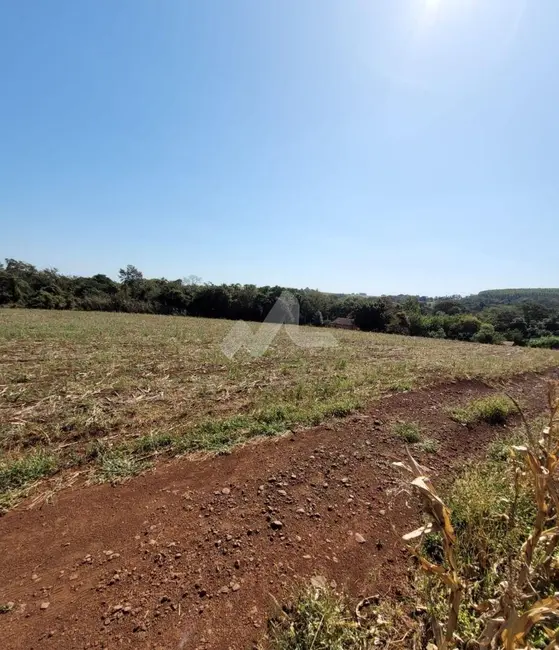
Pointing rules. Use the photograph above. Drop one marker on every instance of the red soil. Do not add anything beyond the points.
(187, 556)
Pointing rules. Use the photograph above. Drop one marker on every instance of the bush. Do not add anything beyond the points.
(549, 342)
(372, 316)
(516, 336)
(317, 319)
(464, 327)
(438, 333)
(486, 334)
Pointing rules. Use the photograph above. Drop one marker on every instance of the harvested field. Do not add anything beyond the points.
(190, 555)
(107, 393)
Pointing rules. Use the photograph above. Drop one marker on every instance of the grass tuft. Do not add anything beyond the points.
(492, 410)
(408, 431)
(429, 446)
(117, 466)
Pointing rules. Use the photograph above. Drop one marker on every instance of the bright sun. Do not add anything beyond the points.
(431, 5)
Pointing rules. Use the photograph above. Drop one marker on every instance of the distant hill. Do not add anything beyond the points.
(546, 297)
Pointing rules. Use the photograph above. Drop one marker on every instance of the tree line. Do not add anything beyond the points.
(489, 317)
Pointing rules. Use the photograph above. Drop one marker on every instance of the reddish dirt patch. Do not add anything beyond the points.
(188, 555)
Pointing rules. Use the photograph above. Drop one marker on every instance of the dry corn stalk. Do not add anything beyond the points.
(517, 607)
(440, 516)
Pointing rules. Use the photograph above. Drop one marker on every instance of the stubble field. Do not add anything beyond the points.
(107, 393)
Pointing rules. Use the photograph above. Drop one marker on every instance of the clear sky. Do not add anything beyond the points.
(379, 146)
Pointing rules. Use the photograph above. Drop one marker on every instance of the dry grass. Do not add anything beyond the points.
(146, 384)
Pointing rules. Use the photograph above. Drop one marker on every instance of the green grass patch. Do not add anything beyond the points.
(317, 619)
(410, 432)
(18, 473)
(152, 442)
(220, 435)
(117, 466)
(493, 410)
(481, 500)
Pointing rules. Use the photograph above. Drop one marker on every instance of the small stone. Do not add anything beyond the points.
(235, 587)
(225, 491)
(45, 605)
(34, 577)
(359, 538)
(224, 590)
(276, 524)
(382, 513)
(306, 557)
(282, 493)
(300, 511)
(345, 480)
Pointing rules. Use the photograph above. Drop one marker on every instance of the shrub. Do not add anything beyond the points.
(486, 334)
(317, 319)
(372, 316)
(399, 324)
(438, 333)
(550, 342)
(516, 336)
(464, 327)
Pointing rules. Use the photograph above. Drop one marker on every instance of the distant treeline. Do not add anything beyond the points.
(525, 316)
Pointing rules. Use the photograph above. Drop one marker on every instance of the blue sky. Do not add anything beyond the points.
(378, 146)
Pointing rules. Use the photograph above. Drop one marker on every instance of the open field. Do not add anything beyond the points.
(191, 555)
(111, 390)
